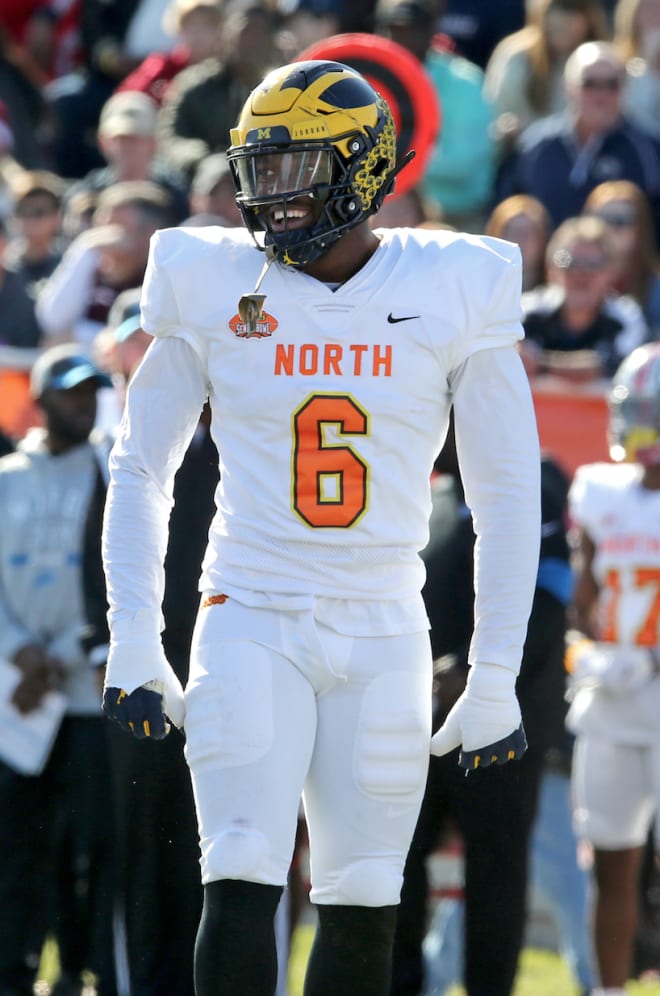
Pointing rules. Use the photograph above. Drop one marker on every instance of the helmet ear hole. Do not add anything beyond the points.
(347, 207)
(357, 145)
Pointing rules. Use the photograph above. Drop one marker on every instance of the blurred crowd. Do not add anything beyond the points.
(114, 122)
(114, 118)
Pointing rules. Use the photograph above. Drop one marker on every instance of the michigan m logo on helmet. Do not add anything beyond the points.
(313, 155)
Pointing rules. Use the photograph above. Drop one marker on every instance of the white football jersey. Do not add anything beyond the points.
(328, 420)
(622, 518)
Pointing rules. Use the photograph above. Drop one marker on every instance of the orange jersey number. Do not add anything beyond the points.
(330, 479)
(649, 632)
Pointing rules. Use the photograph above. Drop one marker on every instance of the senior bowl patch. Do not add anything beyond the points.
(264, 326)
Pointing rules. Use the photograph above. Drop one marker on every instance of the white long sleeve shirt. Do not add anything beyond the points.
(327, 424)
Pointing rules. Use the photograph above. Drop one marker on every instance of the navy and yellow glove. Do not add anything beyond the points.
(509, 748)
(142, 693)
(140, 712)
(485, 722)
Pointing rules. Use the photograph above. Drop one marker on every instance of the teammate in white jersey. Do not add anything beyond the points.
(615, 705)
(330, 391)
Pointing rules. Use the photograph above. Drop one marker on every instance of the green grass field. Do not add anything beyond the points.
(541, 972)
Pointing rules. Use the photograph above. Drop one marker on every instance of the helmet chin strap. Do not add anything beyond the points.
(251, 305)
(408, 158)
(389, 187)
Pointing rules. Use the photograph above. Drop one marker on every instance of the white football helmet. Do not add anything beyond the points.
(634, 403)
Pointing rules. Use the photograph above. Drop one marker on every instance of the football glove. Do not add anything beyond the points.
(485, 722)
(146, 711)
(142, 692)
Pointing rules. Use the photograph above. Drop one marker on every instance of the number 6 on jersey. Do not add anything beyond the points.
(330, 479)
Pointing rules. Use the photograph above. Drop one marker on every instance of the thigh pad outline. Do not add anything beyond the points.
(229, 708)
(392, 744)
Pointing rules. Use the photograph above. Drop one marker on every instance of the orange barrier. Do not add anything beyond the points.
(17, 410)
(572, 420)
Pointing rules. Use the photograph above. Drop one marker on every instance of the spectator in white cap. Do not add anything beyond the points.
(127, 113)
(126, 136)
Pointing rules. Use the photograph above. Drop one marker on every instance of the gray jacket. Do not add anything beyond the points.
(43, 507)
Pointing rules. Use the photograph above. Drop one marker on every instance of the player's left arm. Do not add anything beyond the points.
(587, 590)
(498, 453)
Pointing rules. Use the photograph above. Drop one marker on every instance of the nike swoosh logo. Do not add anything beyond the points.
(406, 318)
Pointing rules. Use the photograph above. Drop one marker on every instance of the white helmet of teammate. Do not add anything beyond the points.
(634, 403)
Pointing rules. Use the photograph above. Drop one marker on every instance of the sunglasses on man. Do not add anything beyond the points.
(610, 84)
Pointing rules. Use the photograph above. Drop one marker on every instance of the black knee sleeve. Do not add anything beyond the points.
(235, 950)
(352, 951)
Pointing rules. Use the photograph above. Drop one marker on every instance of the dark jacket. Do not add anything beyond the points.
(18, 322)
(547, 330)
(201, 106)
(551, 166)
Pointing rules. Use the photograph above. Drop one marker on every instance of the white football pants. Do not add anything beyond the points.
(616, 789)
(279, 705)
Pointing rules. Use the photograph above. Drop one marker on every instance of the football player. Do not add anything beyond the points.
(614, 658)
(330, 391)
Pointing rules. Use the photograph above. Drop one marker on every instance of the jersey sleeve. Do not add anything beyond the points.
(580, 497)
(492, 285)
(591, 493)
(498, 453)
(159, 306)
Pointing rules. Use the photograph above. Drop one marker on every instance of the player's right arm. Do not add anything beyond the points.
(164, 402)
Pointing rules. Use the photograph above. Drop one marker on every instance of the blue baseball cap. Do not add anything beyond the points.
(124, 315)
(63, 367)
